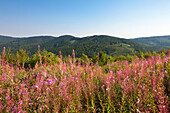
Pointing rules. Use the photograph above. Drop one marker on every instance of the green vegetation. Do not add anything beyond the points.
(88, 45)
(24, 59)
(157, 41)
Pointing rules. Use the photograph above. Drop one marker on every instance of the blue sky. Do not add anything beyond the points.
(122, 18)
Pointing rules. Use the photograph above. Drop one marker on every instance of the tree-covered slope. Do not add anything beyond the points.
(88, 45)
(93, 44)
(161, 41)
(6, 39)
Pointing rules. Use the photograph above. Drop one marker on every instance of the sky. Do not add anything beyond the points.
(121, 18)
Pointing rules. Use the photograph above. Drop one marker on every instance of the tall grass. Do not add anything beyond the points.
(140, 86)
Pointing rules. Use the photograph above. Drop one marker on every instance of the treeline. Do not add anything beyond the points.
(88, 45)
(24, 59)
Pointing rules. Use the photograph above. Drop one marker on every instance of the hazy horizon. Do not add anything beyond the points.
(28, 36)
(124, 19)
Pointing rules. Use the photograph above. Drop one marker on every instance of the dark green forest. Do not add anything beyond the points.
(91, 45)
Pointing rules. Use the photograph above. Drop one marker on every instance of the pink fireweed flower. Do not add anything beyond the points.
(41, 108)
(61, 83)
(80, 106)
(3, 52)
(4, 48)
(20, 102)
(22, 85)
(51, 81)
(38, 46)
(54, 80)
(1, 106)
(67, 109)
(30, 104)
(73, 54)
(36, 86)
(24, 93)
(111, 71)
(7, 97)
(15, 108)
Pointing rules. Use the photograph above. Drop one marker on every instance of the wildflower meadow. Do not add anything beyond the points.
(71, 86)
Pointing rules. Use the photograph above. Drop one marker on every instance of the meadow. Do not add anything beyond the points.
(71, 86)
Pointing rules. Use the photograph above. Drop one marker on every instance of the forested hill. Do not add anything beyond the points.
(160, 41)
(88, 45)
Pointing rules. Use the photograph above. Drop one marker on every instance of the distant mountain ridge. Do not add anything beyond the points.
(159, 41)
(89, 45)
